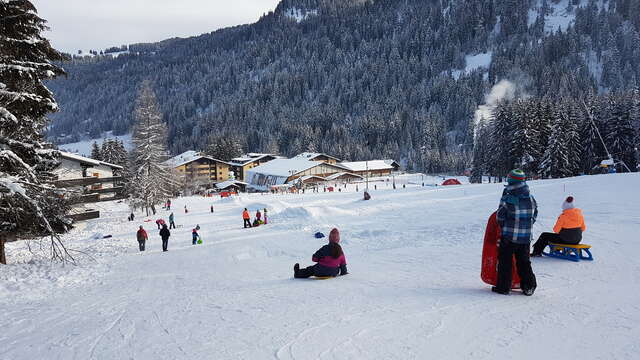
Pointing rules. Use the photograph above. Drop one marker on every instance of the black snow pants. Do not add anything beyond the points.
(546, 238)
(247, 223)
(165, 243)
(141, 243)
(523, 265)
(172, 225)
(305, 272)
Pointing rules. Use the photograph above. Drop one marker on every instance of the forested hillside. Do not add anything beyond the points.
(359, 79)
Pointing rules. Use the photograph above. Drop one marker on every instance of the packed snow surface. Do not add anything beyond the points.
(413, 292)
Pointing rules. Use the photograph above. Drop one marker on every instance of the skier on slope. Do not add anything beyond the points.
(164, 234)
(517, 212)
(330, 260)
(142, 237)
(567, 230)
(258, 216)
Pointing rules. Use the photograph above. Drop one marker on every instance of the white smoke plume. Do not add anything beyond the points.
(504, 89)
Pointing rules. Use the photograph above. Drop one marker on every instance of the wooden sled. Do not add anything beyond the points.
(570, 252)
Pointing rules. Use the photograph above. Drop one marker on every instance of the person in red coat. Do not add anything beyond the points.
(142, 237)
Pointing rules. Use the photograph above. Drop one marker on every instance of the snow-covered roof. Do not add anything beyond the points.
(307, 177)
(285, 167)
(370, 165)
(250, 157)
(183, 158)
(391, 162)
(225, 184)
(313, 155)
(188, 157)
(338, 175)
(86, 160)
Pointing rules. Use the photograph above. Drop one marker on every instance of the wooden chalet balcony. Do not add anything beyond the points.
(86, 181)
(116, 189)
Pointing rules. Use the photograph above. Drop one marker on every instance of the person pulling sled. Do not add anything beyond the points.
(516, 215)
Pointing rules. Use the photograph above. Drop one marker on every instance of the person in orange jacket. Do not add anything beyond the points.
(568, 229)
(246, 217)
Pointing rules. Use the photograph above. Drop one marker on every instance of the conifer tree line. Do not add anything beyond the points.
(111, 151)
(30, 205)
(550, 138)
(357, 79)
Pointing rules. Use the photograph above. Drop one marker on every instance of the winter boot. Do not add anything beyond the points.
(496, 290)
(529, 292)
(296, 268)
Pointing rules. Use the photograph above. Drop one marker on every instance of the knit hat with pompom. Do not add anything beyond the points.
(568, 203)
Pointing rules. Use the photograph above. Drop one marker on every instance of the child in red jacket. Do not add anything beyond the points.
(330, 260)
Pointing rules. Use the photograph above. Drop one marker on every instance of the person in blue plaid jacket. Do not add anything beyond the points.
(517, 213)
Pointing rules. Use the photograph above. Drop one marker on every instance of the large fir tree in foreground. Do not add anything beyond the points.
(28, 202)
(150, 180)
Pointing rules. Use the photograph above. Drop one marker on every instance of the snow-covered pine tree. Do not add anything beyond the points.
(592, 151)
(572, 137)
(151, 181)
(481, 155)
(96, 152)
(502, 134)
(29, 205)
(635, 119)
(523, 145)
(561, 157)
(113, 152)
(223, 147)
(621, 135)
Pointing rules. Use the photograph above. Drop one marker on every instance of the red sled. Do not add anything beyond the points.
(489, 271)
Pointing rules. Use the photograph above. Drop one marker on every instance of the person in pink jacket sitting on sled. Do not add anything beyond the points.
(330, 260)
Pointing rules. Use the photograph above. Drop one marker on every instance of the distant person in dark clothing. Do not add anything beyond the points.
(330, 260)
(516, 215)
(172, 224)
(142, 237)
(568, 229)
(164, 234)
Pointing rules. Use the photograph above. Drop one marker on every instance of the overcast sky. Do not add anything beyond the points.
(98, 24)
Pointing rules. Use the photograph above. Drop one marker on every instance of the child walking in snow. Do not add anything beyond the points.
(330, 260)
(195, 236)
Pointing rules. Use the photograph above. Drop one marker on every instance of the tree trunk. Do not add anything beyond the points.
(3, 259)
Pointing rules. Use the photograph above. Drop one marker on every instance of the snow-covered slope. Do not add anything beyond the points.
(413, 291)
(84, 147)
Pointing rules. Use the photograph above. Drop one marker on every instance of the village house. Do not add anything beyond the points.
(242, 164)
(195, 167)
(284, 171)
(90, 180)
(371, 168)
(311, 156)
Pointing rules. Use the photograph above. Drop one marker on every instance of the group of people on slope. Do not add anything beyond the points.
(246, 217)
(517, 212)
(516, 215)
(142, 236)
